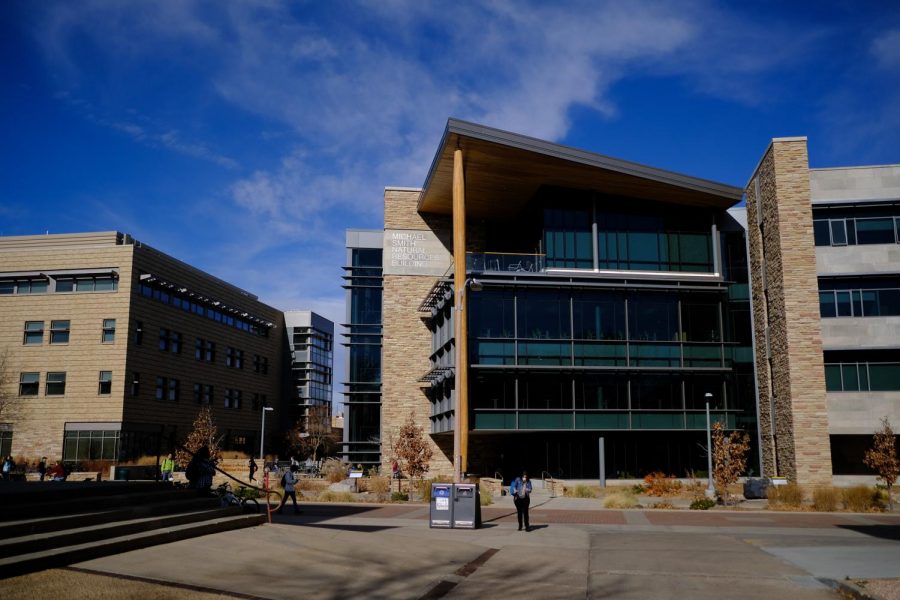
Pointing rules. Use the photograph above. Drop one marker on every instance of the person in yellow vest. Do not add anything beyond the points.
(167, 467)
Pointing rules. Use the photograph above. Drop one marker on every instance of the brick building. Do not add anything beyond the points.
(113, 347)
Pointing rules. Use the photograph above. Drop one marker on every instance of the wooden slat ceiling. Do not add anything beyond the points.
(501, 178)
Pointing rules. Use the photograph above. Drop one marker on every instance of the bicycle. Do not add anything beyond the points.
(228, 498)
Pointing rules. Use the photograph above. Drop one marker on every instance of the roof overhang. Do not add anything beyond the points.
(503, 171)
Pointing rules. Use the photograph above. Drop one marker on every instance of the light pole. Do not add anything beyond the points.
(710, 488)
(262, 434)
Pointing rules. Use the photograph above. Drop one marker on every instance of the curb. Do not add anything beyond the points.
(849, 589)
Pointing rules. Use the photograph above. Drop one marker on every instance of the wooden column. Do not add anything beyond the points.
(461, 426)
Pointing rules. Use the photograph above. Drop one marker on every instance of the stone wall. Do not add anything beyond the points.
(407, 341)
(788, 349)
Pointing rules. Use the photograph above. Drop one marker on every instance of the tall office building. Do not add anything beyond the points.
(363, 339)
(310, 339)
(113, 347)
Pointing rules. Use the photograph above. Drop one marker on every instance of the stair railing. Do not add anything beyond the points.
(265, 489)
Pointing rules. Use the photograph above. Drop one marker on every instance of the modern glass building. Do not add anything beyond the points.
(363, 338)
(310, 339)
(601, 300)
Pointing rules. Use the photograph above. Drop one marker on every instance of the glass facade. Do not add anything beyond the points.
(363, 338)
(560, 359)
(862, 371)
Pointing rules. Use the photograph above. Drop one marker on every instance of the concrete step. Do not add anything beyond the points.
(61, 505)
(55, 557)
(36, 542)
(71, 521)
(20, 493)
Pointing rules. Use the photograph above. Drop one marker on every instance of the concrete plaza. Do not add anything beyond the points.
(574, 551)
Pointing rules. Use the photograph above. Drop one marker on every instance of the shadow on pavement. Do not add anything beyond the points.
(357, 528)
(885, 532)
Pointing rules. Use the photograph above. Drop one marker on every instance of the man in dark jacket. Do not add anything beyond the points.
(520, 490)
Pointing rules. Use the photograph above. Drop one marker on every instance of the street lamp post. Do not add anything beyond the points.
(710, 488)
(262, 433)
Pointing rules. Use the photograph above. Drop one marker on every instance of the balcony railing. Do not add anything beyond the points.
(497, 262)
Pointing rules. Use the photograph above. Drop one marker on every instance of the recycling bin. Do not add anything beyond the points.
(441, 505)
(466, 511)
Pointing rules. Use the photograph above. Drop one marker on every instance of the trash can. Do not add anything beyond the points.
(466, 512)
(441, 505)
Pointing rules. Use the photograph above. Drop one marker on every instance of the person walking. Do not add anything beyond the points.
(253, 468)
(42, 467)
(167, 467)
(9, 465)
(520, 490)
(288, 481)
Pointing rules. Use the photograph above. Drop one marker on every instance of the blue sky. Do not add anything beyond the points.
(245, 137)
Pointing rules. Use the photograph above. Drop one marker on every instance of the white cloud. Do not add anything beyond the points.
(886, 49)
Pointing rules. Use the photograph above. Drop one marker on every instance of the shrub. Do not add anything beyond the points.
(637, 489)
(790, 495)
(702, 504)
(378, 485)
(245, 492)
(424, 485)
(581, 491)
(860, 498)
(660, 484)
(663, 504)
(334, 470)
(825, 499)
(399, 497)
(485, 499)
(335, 497)
(619, 499)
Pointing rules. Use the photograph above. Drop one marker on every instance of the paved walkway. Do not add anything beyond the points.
(575, 551)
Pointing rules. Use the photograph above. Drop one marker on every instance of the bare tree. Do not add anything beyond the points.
(412, 449)
(311, 432)
(882, 457)
(729, 458)
(204, 433)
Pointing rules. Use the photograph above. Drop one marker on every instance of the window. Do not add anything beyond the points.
(56, 384)
(33, 285)
(238, 359)
(198, 348)
(232, 398)
(88, 283)
(260, 364)
(203, 393)
(167, 389)
(229, 356)
(5, 442)
(29, 384)
(59, 332)
(138, 332)
(105, 383)
(34, 333)
(109, 331)
(90, 445)
(175, 342)
(135, 384)
(163, 339)
(234, 358)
